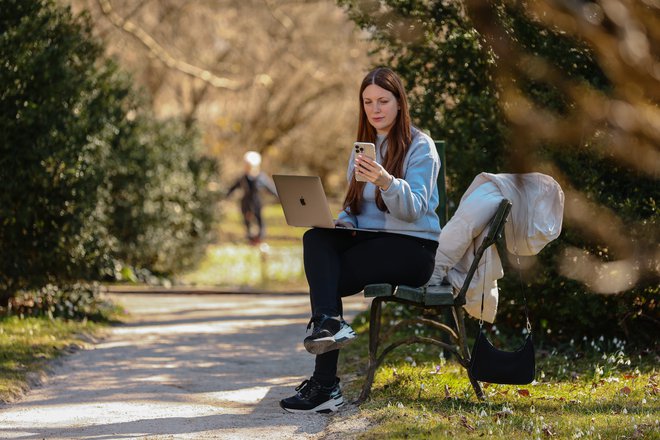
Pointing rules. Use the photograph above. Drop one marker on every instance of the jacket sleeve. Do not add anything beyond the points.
(234, 187)
(408, 198)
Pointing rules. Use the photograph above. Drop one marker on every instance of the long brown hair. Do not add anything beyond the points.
(398, 139)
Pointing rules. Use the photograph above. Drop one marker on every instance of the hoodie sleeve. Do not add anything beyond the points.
(345, 217)
(408, 198)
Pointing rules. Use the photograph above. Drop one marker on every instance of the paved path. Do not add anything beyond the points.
(185, 367)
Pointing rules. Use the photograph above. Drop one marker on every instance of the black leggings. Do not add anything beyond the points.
(340, 262)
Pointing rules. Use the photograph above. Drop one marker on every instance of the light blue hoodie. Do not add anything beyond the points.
(411, 200)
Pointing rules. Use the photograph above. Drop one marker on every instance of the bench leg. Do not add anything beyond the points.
(476, 387)
(374, 334)
(459, 318)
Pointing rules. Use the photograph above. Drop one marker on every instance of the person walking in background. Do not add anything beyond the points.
(397, 204)
(250, 183)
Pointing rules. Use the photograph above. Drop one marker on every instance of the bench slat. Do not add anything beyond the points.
(377, 290)
(415, 294)
(430, 295)
(442, 295)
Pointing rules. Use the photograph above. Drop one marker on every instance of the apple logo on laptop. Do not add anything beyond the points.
(302, 201)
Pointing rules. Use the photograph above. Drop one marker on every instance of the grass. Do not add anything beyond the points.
(590, 389)
(27, 345)
(275, 265)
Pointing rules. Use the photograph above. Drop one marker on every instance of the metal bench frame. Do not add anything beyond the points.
(434, 298)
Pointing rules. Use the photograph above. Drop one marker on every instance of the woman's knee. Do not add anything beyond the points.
(315, 235)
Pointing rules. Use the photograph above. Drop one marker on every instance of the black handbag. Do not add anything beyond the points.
(489, 364)
(492, 365)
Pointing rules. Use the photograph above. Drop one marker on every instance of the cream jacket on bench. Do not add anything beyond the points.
(535, 220)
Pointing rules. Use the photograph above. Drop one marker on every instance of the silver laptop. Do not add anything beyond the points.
(303, 201)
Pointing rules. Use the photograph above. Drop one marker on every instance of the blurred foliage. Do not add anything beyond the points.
(457, 92)
(162, 210)
(90, 181)
(604, 181)
(289, 91)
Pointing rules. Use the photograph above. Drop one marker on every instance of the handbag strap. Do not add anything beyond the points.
(522, 289)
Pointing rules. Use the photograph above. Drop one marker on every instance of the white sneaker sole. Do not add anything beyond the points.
(345, 335)
(329, 406)
(323, 345)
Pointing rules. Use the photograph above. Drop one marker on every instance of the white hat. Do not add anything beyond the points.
(253, 158)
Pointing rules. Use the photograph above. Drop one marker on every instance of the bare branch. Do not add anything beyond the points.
(163, 55)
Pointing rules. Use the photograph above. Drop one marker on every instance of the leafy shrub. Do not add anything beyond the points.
(561, 307)
(58, 111)
(78, 301)
(92, 182)
(162, 210)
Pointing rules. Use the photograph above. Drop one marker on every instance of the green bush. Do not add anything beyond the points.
(628, 193)
(58, 111)
(162, 209)
(78, 302)
(92, 182)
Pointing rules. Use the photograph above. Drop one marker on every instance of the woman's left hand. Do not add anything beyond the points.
(373, 172)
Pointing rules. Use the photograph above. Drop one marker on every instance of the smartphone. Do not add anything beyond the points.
(367, 149)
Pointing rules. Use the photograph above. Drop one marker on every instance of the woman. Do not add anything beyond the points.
(398, 201)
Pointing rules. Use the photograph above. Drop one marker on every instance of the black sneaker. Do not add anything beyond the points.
(329, 334)
(314, 397)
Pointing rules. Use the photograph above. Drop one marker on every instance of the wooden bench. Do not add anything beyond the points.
(434, 299)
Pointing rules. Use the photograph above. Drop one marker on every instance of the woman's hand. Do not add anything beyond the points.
(373, 172)
(341, 224)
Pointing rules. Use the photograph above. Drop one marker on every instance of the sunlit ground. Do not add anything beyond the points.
(275, 264)
(200, 366)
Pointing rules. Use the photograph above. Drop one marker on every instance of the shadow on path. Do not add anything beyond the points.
(186, 366)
